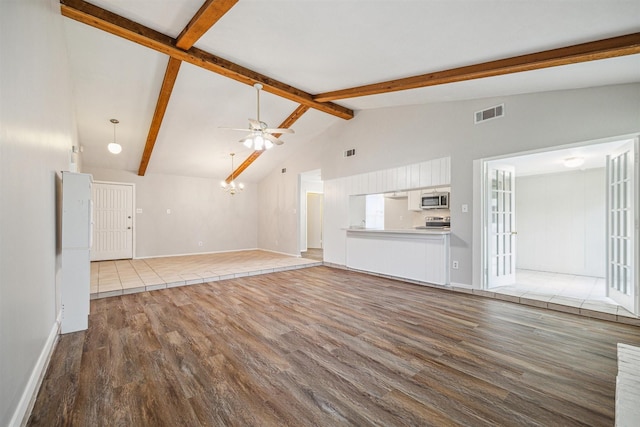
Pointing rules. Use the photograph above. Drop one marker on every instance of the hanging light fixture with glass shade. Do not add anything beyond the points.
(231, 187)
(114, 147)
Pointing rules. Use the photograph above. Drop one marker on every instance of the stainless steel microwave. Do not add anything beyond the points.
(434, 201)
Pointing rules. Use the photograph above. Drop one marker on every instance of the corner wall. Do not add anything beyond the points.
(37, 131)
(200, 212)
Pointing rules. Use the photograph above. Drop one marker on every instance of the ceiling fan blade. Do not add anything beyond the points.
(279, 130)
(273, 139)
(243, 130)
(256, 124)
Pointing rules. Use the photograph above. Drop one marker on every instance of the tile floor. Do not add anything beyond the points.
(573, 293)
(111, 278)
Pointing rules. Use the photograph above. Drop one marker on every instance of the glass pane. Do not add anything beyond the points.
(494, 180)
(500, 180)
(507, 181)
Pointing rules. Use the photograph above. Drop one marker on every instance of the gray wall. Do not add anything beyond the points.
(386, 138)
(36, 136)
(561, 222)
(200, 212)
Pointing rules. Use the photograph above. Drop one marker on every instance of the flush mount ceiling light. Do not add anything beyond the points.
(260, 136)
(573, 162)
(114, 147)
(231, 187)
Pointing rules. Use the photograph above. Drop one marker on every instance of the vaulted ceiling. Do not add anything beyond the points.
(174, 72)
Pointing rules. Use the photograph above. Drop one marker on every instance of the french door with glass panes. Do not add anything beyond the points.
(622, 226)
(500, 231)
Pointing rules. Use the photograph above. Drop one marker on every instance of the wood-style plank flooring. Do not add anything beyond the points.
(329, 347)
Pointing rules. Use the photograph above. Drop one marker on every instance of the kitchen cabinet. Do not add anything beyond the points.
(413, 200)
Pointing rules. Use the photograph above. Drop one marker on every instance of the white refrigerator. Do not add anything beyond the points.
(76, 246)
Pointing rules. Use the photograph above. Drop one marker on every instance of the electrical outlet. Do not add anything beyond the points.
(465, 208)
(200, 243)
(455, 265)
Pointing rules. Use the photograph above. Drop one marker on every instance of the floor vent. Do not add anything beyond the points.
(489, 114)
(350, 153)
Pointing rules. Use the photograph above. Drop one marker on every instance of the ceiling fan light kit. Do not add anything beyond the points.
(260, 136)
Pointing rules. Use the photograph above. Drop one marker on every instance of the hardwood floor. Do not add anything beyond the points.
(328, 347)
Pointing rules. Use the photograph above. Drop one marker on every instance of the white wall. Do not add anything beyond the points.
(561, 222)
(306, 186)
(37, 131)
(386, 138)
(200, 212)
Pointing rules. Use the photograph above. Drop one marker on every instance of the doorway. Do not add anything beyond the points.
(557, 230)
(113, 221)
(311, 214)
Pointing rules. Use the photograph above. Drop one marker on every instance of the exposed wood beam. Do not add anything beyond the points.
(253, 156)
(169, 80)
(584, 52)
(210, 12)
(97, 17)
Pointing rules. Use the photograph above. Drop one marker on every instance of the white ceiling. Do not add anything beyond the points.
(552, 161)
(316, 46)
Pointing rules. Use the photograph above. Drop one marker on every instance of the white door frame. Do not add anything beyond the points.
(133, 209)
(480, 277)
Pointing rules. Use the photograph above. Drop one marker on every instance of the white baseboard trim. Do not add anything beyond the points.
(280, 253)
(30, 393)
(197, 253)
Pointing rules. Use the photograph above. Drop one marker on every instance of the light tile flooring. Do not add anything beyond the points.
(573, 294)
(555, 289)
(111, 278)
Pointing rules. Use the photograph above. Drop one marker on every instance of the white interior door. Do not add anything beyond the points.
(112, 221)
(500, 249)
(622, 225)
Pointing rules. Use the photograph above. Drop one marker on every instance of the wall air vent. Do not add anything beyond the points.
(489, 114)
(350, 153)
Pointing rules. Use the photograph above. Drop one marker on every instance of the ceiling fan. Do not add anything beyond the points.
(260, 136)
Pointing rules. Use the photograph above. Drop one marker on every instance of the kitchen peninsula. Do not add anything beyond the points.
(415, 254)
(391, 234)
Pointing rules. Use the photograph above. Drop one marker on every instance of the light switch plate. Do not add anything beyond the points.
(138, 210)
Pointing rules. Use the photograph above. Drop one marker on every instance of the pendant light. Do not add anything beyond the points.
(114, 147)
(231, 187)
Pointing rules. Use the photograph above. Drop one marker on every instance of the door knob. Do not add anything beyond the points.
(513, 233)
(128, 228)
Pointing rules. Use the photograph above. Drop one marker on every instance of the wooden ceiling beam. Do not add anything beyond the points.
(253, 156)
(602, 49)
(169, 80)
(110, 22)
(208, 14)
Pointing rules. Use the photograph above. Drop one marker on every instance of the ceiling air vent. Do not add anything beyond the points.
(489, 113)
(350, 153)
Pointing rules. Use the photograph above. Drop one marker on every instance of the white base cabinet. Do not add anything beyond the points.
(417, 256)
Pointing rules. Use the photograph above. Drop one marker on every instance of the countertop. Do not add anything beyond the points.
(439, 231)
